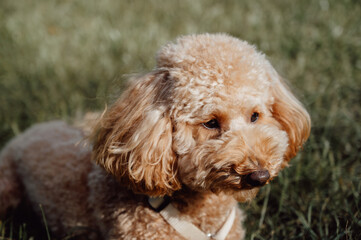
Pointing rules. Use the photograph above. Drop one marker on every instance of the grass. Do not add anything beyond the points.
(59, 59)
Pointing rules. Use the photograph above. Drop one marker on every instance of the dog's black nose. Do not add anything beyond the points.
(258, 178)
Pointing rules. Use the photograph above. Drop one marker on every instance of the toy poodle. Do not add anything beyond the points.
(209, 126)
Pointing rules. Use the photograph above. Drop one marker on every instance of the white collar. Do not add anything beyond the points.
(185, 228)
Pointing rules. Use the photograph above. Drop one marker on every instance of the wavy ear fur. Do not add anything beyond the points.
(133, 140)
(290, 113)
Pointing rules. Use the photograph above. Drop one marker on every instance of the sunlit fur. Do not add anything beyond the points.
(153, 141)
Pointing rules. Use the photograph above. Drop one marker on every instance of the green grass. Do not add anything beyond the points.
(59, 59)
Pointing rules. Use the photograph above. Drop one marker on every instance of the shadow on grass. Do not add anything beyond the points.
(22, 223)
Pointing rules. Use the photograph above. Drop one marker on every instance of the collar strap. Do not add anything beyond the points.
(185, 228)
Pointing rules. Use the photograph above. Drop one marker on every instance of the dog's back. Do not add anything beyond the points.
(30, 167)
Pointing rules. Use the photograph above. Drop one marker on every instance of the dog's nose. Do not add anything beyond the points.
(258, 178)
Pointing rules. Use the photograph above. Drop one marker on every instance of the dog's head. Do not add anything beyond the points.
(213, 116)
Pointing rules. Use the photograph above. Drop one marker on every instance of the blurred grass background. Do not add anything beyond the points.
(62, 58)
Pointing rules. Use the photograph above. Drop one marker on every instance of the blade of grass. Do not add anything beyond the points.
(306, 224)
(11, 229)
(20, 232)
(2, 229)
(45, 222)
(264, 207)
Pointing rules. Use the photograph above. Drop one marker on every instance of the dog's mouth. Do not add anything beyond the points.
(242, 186)
(244, 181)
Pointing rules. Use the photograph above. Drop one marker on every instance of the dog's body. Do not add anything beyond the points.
(209, 126)
(79, 196)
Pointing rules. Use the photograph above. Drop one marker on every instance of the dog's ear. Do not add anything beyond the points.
(133, 140)
(290, 113)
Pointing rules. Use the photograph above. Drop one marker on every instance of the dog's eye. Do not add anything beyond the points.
(212, 124)
(254, 117)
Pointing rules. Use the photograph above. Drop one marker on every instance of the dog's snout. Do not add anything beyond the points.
(258, 178)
